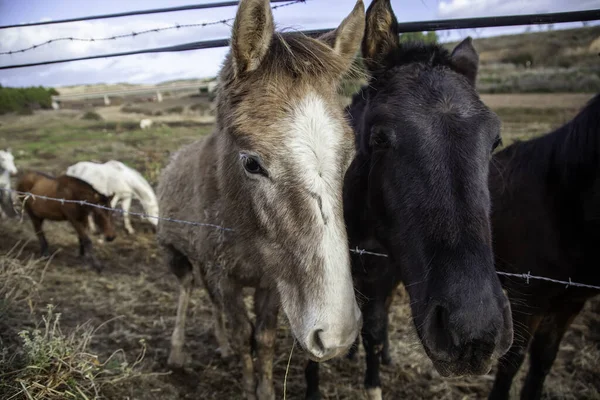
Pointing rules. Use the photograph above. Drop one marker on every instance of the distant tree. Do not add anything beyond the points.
(585, 23)
(428, 37)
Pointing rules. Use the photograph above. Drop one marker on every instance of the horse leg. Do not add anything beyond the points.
(373, 334)
(525, 326)
(85, 243)
(386, 359)
(126, 205)
(311, 376)
(220, 331)
(37, 227)
(238, 316)
(544, 348)
(182, 268)
(266, 308)
(351, 355)
(92, 224)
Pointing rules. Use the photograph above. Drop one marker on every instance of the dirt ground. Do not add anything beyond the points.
(135, 298)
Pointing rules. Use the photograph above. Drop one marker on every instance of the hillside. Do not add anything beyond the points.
(540, 62)
(556, 48)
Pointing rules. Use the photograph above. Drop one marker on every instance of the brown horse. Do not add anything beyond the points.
(67, 188)
(272, 171)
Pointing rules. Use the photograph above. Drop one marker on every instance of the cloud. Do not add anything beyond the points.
(488, 8)
(150, 68)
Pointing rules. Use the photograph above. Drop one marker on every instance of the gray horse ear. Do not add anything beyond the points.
(253, 31)
(466, 60)
(381, 34)
(346, 39)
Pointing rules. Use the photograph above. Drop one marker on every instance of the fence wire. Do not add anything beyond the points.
(527, 277)
(132, 13)
(135, 34)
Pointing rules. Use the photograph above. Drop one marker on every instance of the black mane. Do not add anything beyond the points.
(428, 54)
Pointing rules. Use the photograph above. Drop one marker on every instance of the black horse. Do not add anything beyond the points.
(417, 190)
(546, 221)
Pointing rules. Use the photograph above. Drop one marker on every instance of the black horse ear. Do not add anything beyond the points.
(466, 60)
(381, 34)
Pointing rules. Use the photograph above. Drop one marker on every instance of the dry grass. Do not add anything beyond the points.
(132, 305)
(38, 360)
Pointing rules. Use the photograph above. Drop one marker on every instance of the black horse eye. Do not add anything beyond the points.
(497, 142)
(252, 165)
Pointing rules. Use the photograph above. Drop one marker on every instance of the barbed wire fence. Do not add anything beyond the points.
(225, 22)
(28, 195)
(419, 26)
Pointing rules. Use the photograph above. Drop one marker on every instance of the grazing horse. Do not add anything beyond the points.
(145, 124)
(67, 188)
(272, 171)
(113, 178)
(7, 168)
(546, 221)
(417, 191)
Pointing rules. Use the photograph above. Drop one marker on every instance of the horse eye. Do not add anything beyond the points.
(252, 165)
(497, 142)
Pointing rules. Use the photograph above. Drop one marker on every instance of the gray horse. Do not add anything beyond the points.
(272, 172)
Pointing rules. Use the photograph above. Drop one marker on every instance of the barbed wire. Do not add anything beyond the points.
(528, 276)
(355, 250)
(119, 210)
(138, 33)
(133, 13)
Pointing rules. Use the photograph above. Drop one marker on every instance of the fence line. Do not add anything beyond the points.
(132, 13)
(466, 23)
(119, 210)
(356, 250)
(505, 20)
(135, 34)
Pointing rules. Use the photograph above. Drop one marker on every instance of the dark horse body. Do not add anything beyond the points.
(417, 191)
(546, 221)
(67, 188)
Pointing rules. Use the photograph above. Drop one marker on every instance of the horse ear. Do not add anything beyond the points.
(345, 40)
(381, 34)
(253, 30)
(466, 60)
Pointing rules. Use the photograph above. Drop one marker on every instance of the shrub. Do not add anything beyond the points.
(18, 99)
(92, 116)
(53, 365)
(174, 110)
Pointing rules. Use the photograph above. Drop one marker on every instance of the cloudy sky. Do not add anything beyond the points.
(154, 68)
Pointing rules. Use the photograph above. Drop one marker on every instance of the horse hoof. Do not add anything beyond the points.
(386, 360)
(224, 352)
(374, 393)
(265, 392)
(176, 360)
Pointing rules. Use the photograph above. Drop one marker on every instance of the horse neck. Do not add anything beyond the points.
(141, 189)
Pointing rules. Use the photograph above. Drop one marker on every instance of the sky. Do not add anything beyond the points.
(155, 68)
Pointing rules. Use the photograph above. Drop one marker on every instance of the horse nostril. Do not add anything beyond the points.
(110, 238)
(316, 343)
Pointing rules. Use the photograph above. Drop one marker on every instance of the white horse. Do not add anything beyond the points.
(145, 124)
(115, 178)
(7, 168)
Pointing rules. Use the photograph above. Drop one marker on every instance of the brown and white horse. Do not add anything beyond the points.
(272, 171)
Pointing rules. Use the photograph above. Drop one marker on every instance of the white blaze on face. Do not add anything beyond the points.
(316, 143)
